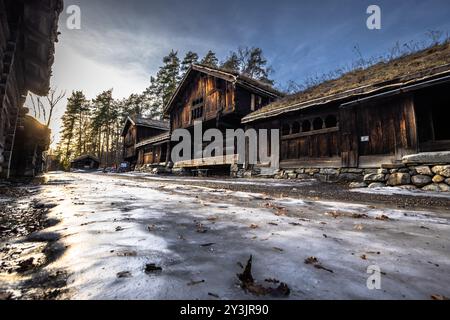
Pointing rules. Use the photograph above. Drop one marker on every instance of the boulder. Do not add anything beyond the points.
(300, 170)
(428, 157)
(432, 187)
(377, 185)
(447, 181)
(292, 175)
(438, 179)
(383, 171)
(312, 171)
(421, 180)
(397, 179)
(442, 170)
(444, 187)
(333, 172)
(374, 177)
(349, 177)
(355, 185)
(303, 176)
(424, 170)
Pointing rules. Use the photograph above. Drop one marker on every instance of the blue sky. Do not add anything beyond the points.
(121, 43)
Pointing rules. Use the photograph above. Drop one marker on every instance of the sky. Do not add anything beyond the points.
(122, 43)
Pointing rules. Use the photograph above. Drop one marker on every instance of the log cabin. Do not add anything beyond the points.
(219, 99)
(368, 118)
(28, 32)
(135, 132)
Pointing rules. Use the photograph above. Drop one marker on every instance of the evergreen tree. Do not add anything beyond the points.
(189, 59)
(250, 62)
(73, 127)
(210, 59)
(103, 120)
(152, 99)
(167, 77)
(231, 63)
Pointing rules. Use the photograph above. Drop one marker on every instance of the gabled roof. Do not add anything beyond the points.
(156, 139)
(86, 156)
(144, 122)
(418, 67)
(227, 75)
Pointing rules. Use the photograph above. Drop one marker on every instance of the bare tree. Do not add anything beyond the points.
(45, 110)
(53, 98)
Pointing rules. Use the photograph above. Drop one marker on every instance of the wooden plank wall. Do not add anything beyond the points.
(217, 95)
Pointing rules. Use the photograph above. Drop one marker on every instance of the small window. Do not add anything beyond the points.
(295, 127)
(331, 121)
(318, 124)
(306, 126)
(286, 130)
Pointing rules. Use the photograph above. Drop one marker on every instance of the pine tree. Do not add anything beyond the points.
(104, 115)
(210, 59)
(250, 62)
(152, 99)
(73, 127)
(189, 59)
(168, 75)
(231, 63)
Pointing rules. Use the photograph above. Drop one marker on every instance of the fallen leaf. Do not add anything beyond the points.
(439, 297)
(358, 227)
(364, 257)
(193, 283)
(254, 226)
(278, 249)
(213, 295)
(119, 228)
(382, 217)
(207, 244)
(124, 274)
(359, 216)
(272, 223)
(151, 267)
(315, 262)
(248, 284)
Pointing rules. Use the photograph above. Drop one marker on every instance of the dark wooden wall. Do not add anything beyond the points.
(217, 95)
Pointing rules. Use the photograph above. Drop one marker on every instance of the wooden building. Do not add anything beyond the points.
(85, 162)
(30, 144)
(135, 132)
(154, 151)
(219, 99)
(366, 118)
(28, 31)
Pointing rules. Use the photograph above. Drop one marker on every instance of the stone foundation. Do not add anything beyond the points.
(426, 171)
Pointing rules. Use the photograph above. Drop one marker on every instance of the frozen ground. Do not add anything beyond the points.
(112, 227)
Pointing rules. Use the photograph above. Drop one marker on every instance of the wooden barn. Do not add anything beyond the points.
(135, 132)
(367, 118)
(85, 162)
(28, 31)
(219, 99)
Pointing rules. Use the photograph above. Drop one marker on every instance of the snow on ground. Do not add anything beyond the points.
(198, 236)
(402, 191)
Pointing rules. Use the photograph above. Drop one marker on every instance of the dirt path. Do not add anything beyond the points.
(126, 237)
